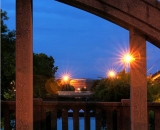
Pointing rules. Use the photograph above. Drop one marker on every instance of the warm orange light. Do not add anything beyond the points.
(128, 58)
(111, 73)
(65, 78)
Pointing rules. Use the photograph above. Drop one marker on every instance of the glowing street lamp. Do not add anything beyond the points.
(127, 59)
(111, 73)
(65, 79)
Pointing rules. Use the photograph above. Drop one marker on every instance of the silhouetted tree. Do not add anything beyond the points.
(7, 54)
(115, 89)
(112, 89)
(43, 65)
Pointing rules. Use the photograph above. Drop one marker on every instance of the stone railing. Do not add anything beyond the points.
(110, 115)
(74, 93)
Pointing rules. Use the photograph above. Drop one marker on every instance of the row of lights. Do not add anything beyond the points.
(126, 60)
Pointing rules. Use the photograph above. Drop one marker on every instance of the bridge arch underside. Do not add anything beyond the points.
(142, 15)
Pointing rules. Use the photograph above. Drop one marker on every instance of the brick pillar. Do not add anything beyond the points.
(138, 83)
(24, 65)
(64, 119)
(76, 119)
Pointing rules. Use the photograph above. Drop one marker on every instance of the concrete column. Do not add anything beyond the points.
(138, 82)
(24, 65)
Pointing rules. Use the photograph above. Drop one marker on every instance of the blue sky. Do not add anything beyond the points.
(82, 44)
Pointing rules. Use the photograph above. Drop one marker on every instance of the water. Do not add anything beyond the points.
(81, 123)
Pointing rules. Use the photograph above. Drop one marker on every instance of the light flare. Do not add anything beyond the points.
(65, 78)
(128, 58)
(111, 73)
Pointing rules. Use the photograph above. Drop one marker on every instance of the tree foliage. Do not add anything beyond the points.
(153, 88)
(67, 87)
(112, 89)
(115, 89)
(62, 86)
(43, 65)
(43, 70)
(7, 54)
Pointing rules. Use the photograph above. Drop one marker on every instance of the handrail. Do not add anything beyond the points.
(112, 114)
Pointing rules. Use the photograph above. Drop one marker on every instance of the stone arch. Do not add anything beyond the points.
(135, 15)
(139, 14)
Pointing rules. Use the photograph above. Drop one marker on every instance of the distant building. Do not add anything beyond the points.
(82, 88)
(78, 84)
(81, 83)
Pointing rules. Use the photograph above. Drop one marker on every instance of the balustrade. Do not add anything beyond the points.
(113, 115)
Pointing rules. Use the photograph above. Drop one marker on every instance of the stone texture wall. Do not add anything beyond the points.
(139, 14)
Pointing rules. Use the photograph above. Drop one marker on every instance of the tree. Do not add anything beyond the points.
(112, 89)
(67, 87)
(153, 88)
(43, 70)
(43, 66)
(7, 54)
(115, 89)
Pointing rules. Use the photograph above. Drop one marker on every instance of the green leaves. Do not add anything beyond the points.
(7, 53)
(43, 71)
(153, 88)
(44, 65)
(113, 89)
(9, 95)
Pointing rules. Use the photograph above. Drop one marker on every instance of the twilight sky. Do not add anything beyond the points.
(82, 44)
